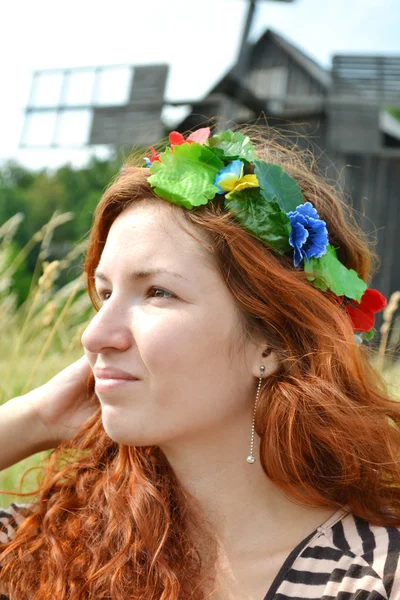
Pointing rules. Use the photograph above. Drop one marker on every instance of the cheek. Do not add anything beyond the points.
(168, 339)
(178, 341)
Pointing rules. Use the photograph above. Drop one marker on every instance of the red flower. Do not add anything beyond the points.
(154, 156)
(200, 136)
(362, 313)
(176, 138)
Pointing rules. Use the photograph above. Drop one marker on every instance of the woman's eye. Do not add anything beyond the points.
(104, 295)
(152, 292)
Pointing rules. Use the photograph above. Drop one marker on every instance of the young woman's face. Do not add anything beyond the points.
(168, 319)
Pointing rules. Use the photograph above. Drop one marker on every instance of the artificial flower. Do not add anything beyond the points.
(231, 179)
(176, 139)
(228, 176)
(362, 313)
(200, 137)
(192, 171)
(154, 157)
(308, 233)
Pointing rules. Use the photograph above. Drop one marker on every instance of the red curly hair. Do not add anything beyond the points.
(112, 521)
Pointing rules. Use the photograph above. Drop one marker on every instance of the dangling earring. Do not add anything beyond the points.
(251, 459)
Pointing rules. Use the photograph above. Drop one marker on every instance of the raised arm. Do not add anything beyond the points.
(47, 415)
(21, 434)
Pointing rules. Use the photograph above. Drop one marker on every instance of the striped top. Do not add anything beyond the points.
(346, 558)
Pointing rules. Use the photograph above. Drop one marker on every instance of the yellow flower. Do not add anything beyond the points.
(247, 181)
(231, 179)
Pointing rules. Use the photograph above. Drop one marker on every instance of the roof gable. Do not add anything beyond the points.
(318, 73)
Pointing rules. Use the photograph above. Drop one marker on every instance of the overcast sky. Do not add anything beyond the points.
(198, 38)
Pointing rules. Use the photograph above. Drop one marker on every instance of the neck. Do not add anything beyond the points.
(245, 510)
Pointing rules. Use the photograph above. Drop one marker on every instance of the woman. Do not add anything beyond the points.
(238, 444)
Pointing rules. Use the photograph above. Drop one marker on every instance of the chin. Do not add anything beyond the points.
(121, 437)
(132, 431)
(119, 432)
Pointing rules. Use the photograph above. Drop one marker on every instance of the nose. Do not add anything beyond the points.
(108, 331)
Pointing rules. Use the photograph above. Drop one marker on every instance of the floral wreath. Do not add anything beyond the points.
(268, 203)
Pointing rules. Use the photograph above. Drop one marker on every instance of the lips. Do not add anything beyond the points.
(112, 373)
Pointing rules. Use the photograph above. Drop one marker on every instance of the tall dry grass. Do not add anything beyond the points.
(42, 336)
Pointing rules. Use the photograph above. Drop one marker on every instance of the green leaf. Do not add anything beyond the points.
(276, 185)
(328, 271)
(186, 175)
(319, 284)
(368, 335)
(230, 145)
(265, 220)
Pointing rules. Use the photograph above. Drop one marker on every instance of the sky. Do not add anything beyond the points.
(198, 38)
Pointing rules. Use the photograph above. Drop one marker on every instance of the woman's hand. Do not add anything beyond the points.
(63, 403)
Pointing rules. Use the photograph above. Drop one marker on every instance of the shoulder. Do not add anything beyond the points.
(366, 557)
(345, 558)
(11, 518)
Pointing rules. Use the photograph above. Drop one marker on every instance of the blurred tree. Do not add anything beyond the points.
(38, 195)
(395, 112)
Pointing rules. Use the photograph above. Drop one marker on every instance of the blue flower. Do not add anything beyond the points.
(147, 161)
(308, 233)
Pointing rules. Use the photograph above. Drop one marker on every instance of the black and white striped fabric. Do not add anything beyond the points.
(346, 558)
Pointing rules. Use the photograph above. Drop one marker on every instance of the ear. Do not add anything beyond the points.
(269, 359)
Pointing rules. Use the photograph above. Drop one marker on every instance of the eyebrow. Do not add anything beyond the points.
(140, 275)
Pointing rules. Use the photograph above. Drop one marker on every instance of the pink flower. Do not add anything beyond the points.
(200, 137)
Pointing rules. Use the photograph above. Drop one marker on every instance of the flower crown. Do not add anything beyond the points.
(268, 203)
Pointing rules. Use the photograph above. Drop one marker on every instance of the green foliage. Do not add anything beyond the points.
(233, 145)
(52, 314)
(42, 334)
(262, 218)
(369, 335)
(327, 272)
(186, 175)
(395, 112)
(276, 185)
(38, 196)
(11, 480)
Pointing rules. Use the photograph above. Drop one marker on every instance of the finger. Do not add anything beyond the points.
(83, 363)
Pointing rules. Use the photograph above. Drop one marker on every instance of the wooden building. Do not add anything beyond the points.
(341, 112)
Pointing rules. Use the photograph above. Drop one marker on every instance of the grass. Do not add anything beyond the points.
(42, 336)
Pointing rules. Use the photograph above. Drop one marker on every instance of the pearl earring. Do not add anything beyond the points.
(251, 458)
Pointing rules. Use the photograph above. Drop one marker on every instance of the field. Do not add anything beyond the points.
(42, 335)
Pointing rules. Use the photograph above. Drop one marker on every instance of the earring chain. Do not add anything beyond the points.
(251, 458)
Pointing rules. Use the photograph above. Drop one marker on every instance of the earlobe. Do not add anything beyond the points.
(270, 361)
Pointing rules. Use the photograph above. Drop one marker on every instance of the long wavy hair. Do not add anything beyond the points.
(113, 521)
